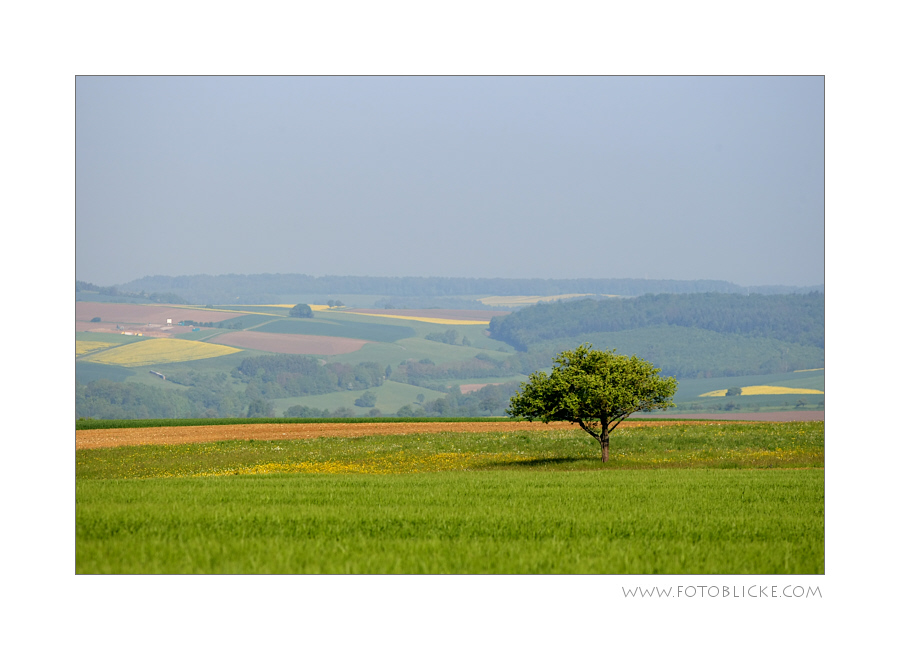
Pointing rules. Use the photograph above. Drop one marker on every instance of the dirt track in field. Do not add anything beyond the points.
(99, 438)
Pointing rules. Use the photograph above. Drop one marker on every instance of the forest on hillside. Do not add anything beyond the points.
(791, 318)
(686, 336)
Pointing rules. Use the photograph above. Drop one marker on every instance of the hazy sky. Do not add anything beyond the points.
(522, 177)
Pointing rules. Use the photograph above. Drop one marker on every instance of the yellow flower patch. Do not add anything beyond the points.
(766, 390)
(399, 463)
(156, 351)
(86, 347)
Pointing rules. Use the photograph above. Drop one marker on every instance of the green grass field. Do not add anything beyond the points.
(700, 498)
(86, 371)
(106, 337)
(685, 521)
(335, 326)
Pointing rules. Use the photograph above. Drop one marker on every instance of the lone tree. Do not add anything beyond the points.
(594, 389)
(301, 311)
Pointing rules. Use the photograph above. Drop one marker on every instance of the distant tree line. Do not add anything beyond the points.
(168, 298)
(428, 374)
(487, 401)
(290, 375)
(450, 337)
(104, 399)
(312, 412)
(688, 353)
(268, 287)
(229, 325)
(795, 318)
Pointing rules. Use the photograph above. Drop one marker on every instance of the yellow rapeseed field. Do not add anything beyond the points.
(766, 390)
(161, 351)
(85, 347)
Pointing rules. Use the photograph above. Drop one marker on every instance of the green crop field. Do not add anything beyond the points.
(700, 498)
(344, 328)
(248, 321)
(86, 371)
(687, 521)
(118, 339)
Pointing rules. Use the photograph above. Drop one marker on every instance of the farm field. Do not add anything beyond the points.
(703, 394)
(445, 348)
(766, 390)
(86, 347)
(290, 343)
(111, 312)
(438, 316)
(96, 438)
(158, 351)
(339, 326)
(85, 372)
(675, 498)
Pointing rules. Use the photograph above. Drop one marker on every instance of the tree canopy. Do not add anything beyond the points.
(595, 390)
(301, 311)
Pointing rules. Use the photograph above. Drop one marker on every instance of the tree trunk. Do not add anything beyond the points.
(604, 443)
(603, 438)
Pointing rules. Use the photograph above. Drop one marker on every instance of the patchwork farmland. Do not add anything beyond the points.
(425, 361)
(210, 353)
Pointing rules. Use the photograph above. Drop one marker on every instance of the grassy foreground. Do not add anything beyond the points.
(461, 503)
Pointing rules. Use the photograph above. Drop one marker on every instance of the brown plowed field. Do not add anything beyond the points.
(98, 438)
(290, 343)
(95, 438)
(450, 314)
(124, 313)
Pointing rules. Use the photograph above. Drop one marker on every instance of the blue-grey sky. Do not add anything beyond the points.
(681, 178)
